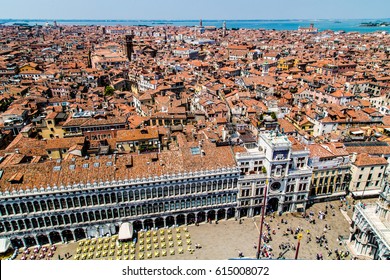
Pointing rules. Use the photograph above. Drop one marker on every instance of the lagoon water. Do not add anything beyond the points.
(347, 25)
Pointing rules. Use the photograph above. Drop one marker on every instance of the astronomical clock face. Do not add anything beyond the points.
(275, 186)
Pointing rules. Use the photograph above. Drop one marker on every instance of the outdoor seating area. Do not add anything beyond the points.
(38, 253)
(151, 244)
(163, 242)
(105, 248)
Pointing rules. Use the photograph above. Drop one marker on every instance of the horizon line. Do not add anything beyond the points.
(206, 19)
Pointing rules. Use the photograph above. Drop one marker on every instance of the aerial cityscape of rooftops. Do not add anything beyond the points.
(167, 141)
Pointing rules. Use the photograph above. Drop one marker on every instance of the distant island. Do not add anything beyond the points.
(375, 24)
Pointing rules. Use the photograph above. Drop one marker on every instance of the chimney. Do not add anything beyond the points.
(353, 157)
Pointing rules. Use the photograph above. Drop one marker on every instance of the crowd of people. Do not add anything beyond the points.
(287, 230)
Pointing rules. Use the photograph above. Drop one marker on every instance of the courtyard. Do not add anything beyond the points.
(228, 239)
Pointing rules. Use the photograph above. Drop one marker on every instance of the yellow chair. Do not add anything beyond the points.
(92, 248)
(188, 241)
(169, 231)
(180, 243)
(148, 247)
(105, 247)
(112, 246)
(141, 242)
(126, 258)
(164, 253)
(148, 233)
(93, 242)
(132, 257)
(141, 248)
(171, 244)
(154, 233)
(162, 231)
(155, 240)
(186, 229)
(181, 251)
(132, 251)
(156, 254)
(100, 241)
(141, 256)
(85, 249)
(99, 247)
(112, 252)
(81, 242)
(177, 229)
(76, 257)
(118, 258)
(148, 241)
(78, 250)
(172, 252)
(162, 238)
(104, 254)
(188, 235)
(170, 238)
(141, 234)
(98, 254)
(149, 255)
(126, 251)
(163, 245)
(156, 246)
(90, 256)
(119, 252)
(127, 245)
(132, 245)
(178, 236)
(106, 240)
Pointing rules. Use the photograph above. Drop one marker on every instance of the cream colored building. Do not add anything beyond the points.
(367, 174)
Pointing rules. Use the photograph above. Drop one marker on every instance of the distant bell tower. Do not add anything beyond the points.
(200, 23)
(89, 58)
(224, 29)
(129, 45)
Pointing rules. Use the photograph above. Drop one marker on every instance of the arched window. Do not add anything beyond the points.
(148, 193)
(171, 190)
(176, 190)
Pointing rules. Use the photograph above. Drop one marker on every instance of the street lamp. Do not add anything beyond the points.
(262, 220)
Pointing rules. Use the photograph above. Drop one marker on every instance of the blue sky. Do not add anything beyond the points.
(194, 9)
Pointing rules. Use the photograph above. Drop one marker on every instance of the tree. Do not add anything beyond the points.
(108, 91)
(273, 115)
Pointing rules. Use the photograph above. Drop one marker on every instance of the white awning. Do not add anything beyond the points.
(5, 243)
(300, 206)
(357, 132)
(125, 231)
(366, 193)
